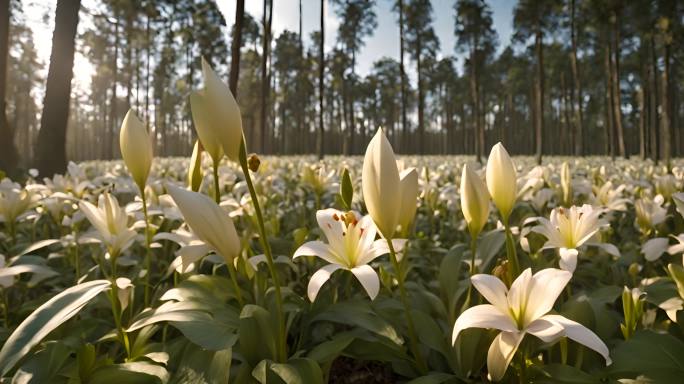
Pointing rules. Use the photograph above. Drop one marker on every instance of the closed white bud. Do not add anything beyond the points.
(501, 180)
(136, 148)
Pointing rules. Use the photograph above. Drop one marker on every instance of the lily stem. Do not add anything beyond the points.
(236, 286)
(148, 247)
(513, 265)
(473, 252)
(116, 308)
(217, 190)
(422, 366)
(282, 340)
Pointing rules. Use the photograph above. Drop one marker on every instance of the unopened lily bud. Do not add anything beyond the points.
(566, 185)
(206, 126)
(223, 111)
(253, 162)
(380, 184)
(136, 148)
(501, 180)
(501, 272)
(408, 180)
(634, 270)
(195, 168)
(474, 201)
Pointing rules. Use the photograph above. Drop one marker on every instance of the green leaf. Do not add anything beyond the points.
(563, 374)
(38, 245)
(361, 314)
(295, 371)
(488, 246)
(257, 334)
(195, 321)
(45, 319)
(328, 350)
(130, 373)
(657, 356)
(677, 273)
(433, 378)
(45, 366)
(346, 189)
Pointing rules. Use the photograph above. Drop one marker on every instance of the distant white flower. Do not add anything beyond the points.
(14, 201)
(110, 221)
(649, 213)
(351, 246)
(569, 229)
(523, 309)
(610, 198)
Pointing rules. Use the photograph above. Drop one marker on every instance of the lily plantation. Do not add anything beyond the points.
(217, 248)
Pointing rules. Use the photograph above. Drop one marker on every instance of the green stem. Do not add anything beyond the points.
(282, 341)
(5, 307)
(513, 265)
(116, 308)
(236, 286)
(473, 252)
(422, 366)
(217, 191)
(148, 253)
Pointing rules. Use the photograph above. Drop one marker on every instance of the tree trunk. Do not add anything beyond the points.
(235, 48)
(402, 71)
(321, 82)
(8, 153)
(265, 47)
(51, 146)
(666, 112)
(609, 110)
(577, 92)
(113, 107)
(655, 121)
(421, 103)
(476, 101)
(617, 99)
(642, 124)
(539, 87)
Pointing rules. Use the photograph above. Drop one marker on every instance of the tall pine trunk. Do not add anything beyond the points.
(8, 153)
(265, 48)
(321, 79)
(235, 48)
(577, 92)
(402, 71)
(539, 102)
(51, 145)
(421, 101)
(615, 82)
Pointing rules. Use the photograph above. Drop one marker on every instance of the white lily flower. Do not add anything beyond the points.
(208, 221)
(408, 182)
(569, 229)
(609, 197)
(502, 180)
(521, 310)
(474, 201)
(351, 246)
(14, 201)
(110, 221)
(649, 213)
(381, 184)
(136, 148)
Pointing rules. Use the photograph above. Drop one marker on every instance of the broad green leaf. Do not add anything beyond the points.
(130, 373)
(433, 378)
(38, 245)
(257, 334)
(488, 246)
(45, 366)
(563, 374)
(295, 371)
(657, 356)
(329, 350)
(359, 313)
(45, 319)
(195, 321)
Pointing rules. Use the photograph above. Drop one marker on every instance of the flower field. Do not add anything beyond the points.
(373, 269)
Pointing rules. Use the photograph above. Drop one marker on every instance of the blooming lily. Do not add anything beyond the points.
(110, 221)
(569, 229)
(521, 310)
(351, 246)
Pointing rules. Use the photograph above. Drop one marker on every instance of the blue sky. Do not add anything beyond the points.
(385, 40)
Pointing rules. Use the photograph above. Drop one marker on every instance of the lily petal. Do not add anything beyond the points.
(582, 335)
(319, 278)
(368, 278)
(568, 259)
(492, 289)
(546, 330)
(501, 353)
(547, 285)
(483, 316)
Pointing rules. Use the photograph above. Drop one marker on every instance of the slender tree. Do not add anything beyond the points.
(236, 45)
(321, 84)
(474, 33)
(8, 153)
(51, 145)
